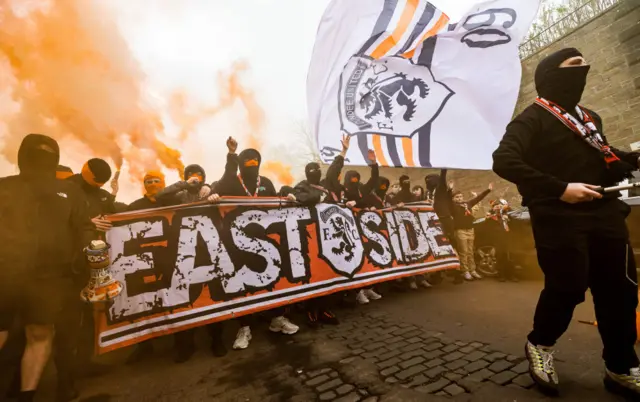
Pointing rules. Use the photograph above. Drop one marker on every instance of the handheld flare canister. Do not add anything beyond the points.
(101, 287)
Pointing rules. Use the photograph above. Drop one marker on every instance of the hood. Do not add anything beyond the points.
(431, 182)
(563, 86)
(192, 170)
(96, 172)
(313, 173)
(405, 183)
(249, 162)
(383, 187)
(38, 155)
(63, 172)
(352, 180)
(153, 183)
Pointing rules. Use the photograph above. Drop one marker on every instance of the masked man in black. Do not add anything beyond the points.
(556, 154)
(192, 189)
(45, 225)
(376, 199)
(249, 183)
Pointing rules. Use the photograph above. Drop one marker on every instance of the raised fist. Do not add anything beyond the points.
(232, 145)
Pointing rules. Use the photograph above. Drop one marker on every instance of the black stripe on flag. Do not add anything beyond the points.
(427, 16)
(381, 25)
(424, 135)
(393, 151)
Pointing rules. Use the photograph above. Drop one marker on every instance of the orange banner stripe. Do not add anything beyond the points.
(377, 146)
(442, 21)
(407, 146)
(403, 24)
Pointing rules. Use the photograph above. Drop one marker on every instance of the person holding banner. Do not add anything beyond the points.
(43, 231)
(376, 199)
(557, 155)
(153, 183)
(193, 188)
(248, 183)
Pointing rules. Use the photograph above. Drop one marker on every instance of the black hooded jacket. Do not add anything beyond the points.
(356, 191)
(313, 190)
(405, 195)
(99, 200)
(181, 192)
(245, 183)
(542, 156)
(45, 223)
(375, 199)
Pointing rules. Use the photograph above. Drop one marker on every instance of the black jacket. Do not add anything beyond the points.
(360, 196)
(45, 223)
(462, 216)
(403, 196)
(99, 201)
(541, 156)
(230, 185)
(308, 194)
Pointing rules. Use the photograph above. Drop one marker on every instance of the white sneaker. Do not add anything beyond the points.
(242, 338)
(371, 294)
(425, 284)
(361, 298)
(476, 275)
(623, 384)
(413, 285)
(282, 324)
(541, 368)
(467, 276)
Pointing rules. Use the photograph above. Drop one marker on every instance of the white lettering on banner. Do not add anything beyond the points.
(259, 247)
(340, 242)
(432, 229)
(392, 227)
(122, 265)
(186, 273)
(382, 259)
(292, 218)
(414, 241)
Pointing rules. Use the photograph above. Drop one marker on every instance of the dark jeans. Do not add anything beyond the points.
(185, 340)
(587, 249)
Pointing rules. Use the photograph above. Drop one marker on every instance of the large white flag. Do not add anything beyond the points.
(405, 82)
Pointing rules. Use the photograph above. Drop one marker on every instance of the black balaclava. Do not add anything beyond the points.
(563, 86)
(285, 191)
(383, 187)
(38, 156)
(249, 165)
(431, 182)
(195, 169)
(313, 173)
(352, 181)
(405, 183)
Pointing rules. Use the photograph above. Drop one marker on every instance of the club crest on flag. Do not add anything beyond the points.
(392, 96)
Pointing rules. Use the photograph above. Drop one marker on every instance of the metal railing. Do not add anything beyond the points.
(564, 25)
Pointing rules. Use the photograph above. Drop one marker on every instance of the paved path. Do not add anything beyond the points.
(449, 343)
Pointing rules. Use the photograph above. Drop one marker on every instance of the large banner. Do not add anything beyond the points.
(417, 89)
(188, 266)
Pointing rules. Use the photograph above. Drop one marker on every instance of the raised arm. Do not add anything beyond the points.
(472, 202)
(333, 174)
(372, 184)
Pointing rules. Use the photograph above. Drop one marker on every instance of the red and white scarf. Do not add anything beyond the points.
(245, 187)
(585, 128)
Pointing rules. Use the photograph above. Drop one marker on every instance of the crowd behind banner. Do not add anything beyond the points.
(58, 213)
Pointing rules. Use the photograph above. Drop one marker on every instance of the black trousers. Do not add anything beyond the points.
(581, 249)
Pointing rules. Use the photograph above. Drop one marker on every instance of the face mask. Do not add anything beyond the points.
(153, 186)
(198, 175)
(565, 86)
(313, 176)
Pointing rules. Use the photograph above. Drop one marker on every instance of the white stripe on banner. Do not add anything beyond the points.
(406, 36)
(359, 279)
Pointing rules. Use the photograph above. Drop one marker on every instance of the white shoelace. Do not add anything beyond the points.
(547, 361)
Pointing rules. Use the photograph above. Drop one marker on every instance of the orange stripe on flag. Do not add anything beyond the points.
(403, 24)
(442, 21)
(377, 146)
(407, 146)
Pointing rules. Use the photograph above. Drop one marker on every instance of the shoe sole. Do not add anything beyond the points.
(281, 330)
(618, 389)
(543, 386)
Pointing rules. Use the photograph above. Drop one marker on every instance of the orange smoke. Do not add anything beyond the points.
(68, 73)
(278, 171)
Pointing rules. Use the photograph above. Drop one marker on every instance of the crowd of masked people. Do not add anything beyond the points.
(49, 214)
